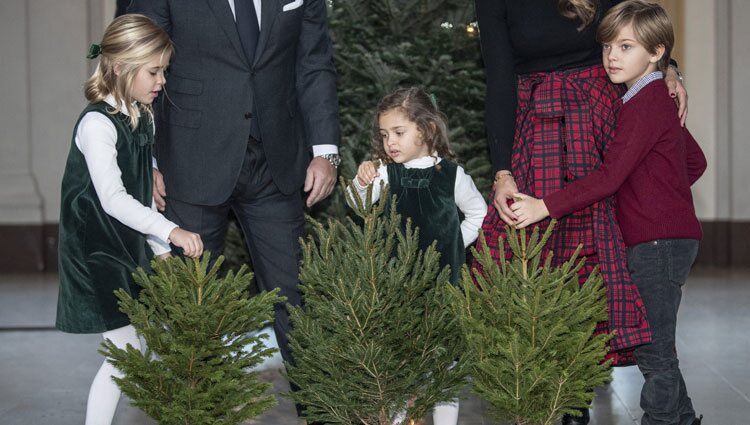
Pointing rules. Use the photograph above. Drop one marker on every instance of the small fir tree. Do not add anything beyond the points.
(375, 333)
(196, 325)
(528, 331)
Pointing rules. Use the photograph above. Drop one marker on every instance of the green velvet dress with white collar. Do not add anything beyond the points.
(97, 253)
(426, 195)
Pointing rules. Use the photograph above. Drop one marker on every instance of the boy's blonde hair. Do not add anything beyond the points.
(421, 109)
(131, 41)
(651, 24)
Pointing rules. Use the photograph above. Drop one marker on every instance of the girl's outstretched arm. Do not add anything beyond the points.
(96, 138)
(158, 246)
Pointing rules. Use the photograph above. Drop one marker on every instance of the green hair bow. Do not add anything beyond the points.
(94, 51)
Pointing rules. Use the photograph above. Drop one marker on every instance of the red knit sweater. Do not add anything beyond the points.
(649, 166)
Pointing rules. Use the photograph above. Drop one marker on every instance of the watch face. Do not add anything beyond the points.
(333, 158)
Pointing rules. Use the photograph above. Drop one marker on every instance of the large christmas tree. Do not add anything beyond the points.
(385, 44)
(196, 369)
(528, 331)
(375, 334)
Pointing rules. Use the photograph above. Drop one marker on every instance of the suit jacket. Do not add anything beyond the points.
(203, 118)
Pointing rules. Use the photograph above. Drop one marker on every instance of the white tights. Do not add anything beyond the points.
(104, 393)
(445, 413)
(442, 414)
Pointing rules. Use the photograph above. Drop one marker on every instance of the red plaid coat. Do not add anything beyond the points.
(564, 122)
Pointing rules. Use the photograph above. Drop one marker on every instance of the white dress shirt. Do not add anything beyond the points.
(468, 199)
(96, 138)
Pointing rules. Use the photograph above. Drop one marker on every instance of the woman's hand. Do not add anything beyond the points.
(677, 91)
(505, 187)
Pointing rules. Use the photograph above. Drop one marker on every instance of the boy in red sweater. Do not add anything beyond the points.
(649, 167)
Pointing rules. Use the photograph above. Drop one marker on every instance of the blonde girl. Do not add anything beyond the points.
(108, 222)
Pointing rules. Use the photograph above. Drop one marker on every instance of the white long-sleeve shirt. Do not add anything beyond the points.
(96, 138)
(468, 199)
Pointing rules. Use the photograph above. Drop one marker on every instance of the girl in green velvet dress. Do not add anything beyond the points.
(108, 222)
(416, 161)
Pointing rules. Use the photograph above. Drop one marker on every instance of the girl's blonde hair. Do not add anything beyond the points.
(130, 41)
(421, 109)
(584, 10)
(651, 25)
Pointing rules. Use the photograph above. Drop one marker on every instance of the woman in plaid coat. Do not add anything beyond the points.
(550, 114)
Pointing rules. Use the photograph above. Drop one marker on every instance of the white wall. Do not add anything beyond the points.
(700, 77)
(20, 201)
(717, 59)
(57, 70)
(739, 120)
(43, 44)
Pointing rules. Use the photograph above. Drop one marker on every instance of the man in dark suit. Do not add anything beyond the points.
(249, 116)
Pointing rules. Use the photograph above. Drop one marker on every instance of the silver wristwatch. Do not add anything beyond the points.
(333, 158)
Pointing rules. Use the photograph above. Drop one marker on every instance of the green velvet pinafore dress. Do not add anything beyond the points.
(97, 253)
(426, 195)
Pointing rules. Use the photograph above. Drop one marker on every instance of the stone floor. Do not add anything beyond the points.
(45, 374)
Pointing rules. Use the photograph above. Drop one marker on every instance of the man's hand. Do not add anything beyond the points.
(160, 191)
(678, 92)
(320, 180)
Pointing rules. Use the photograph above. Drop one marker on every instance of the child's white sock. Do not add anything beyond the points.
(445, 413)
(104, 393)
(442, 414)
(400, 417)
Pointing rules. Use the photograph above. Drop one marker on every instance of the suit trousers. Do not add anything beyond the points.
(660, 268)
(272, 223)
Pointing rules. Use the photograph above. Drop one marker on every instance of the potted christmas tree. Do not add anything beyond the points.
(196, 368)
(528, 331)
(375, 336)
